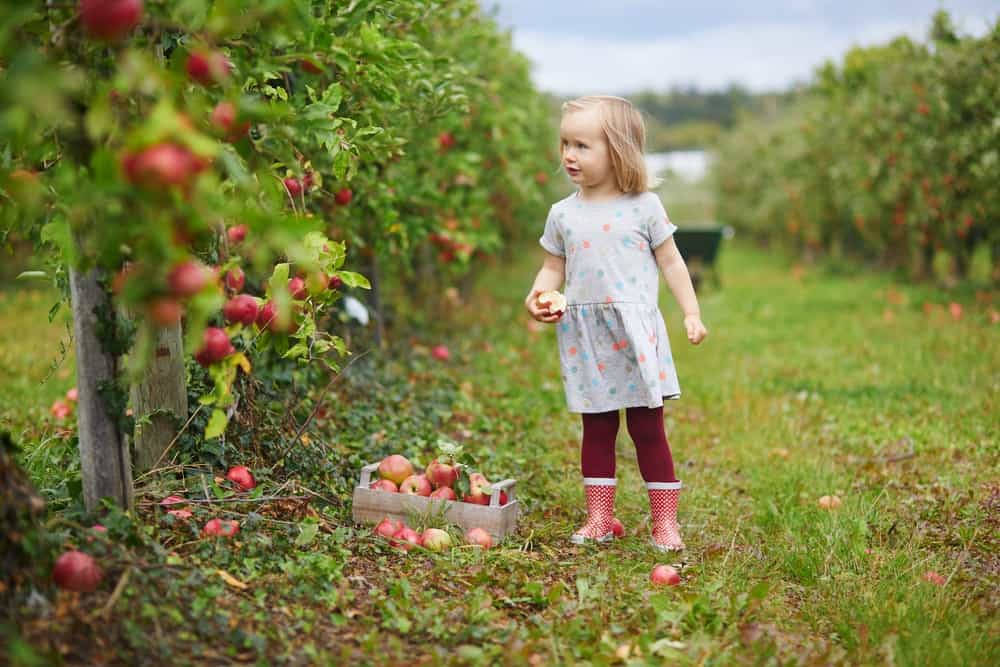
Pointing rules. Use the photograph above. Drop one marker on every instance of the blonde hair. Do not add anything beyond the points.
(625, 133)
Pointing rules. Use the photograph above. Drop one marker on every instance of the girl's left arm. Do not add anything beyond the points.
(675, 271)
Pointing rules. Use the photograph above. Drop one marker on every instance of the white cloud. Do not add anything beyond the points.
(761, 56)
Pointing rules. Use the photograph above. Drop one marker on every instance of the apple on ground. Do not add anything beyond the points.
(242, 477)
(829, 502)
(664, 575)
(221, 527)
(933, 577)
(416, 485)
(395, 468)
(61, 409)
(171, 501)
(180, 514)
(435, 539)
(385, 485)
(617, 528)
(479, 537)
(387, 528)
(441, 474)
(441, 353)
(77, 571)
(444, 493)
(406, 538)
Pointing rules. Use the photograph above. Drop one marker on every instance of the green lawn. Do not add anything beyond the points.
(812, 382)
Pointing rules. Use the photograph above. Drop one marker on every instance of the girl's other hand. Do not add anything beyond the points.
(538, 311)
(696, 331)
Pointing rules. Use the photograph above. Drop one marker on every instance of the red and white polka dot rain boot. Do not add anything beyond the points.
(663, 506)
(600, 510)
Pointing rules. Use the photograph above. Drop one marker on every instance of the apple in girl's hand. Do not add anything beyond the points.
(554, 301)
(406, 538)
(77, 571)
(416, 485)
(664, 575)
(441, 474)
(395, 468)
(221, 528)
(242, 477)
(617, 528)
(479, 537)
(387, 528)
(385, 485)
(445, 493)
(435, 539)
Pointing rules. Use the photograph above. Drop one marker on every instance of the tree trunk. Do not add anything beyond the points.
(159, 400)
(106, 468)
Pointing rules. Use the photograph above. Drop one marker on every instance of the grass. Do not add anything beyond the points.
(812, 382)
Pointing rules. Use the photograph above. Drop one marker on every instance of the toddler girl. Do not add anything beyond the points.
(606, 240)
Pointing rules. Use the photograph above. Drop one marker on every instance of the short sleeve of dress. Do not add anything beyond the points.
(660, 227)
(552, 237)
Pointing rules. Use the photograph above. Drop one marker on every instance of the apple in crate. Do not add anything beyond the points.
(554, 301)
(416, 485)
(445, 493)
(385, 485)
(479, 537)
(477, 495)
(441, 474)
(395, 468)
(435, 539)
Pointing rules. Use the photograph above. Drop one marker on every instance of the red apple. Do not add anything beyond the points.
(336, 282)
(308, 65)
(216, 347)
(61, 410)
(73, 395)
(224, 117)
(344, 196)
(170, 501)
(235, 279)
(164, 311)
(617, 528)
(395, 468)
(477, 495)
(385, 485)
(479, 537)
(242, 477)
(293, 185)
(554, 301)
(387, 528)
(297, 288)
(441, 474)
(221, 527)
(96, 528)
(445, 141)
(416, 485)
(237, 233)
(955, 309)
(406, 538)
(77, 571)
(445, 493)
(188, 278)
(162, 165)
(241, 308)
(269, 318)
(317, 282)
(664, 575)
(933, 577)
(110, 20)
(208, 67)
(435, 539)
(180, 514)
(441, 353)
(829, 502)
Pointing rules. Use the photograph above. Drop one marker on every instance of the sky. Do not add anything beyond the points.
(622, 46)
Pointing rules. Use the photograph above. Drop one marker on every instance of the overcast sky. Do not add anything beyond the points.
(621, 46)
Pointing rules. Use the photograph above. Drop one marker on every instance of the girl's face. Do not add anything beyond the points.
(584, 149)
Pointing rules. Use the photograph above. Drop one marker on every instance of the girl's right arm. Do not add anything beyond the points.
(550, 277)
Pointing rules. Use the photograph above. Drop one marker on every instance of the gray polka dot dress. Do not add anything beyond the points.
(613, 344)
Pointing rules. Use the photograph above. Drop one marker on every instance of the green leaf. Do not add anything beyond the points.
(216, 424)
(307, 534)
(27, 275)
(352, 279)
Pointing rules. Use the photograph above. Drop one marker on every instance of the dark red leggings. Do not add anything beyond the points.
(645, 425)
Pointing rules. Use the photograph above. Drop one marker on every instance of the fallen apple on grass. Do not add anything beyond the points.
(180, 514)
(435, 539)
(664, 575)
(387, 528)
(242, 477)
(933, 577)
(406, 538)
(221, 527)
(441, 352)
(479, 537)
(829, 502)
(395, 468)
(617, 528)
(77, 571)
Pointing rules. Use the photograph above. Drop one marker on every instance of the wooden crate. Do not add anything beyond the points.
(371, 506)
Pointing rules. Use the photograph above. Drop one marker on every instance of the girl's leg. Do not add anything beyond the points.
(597, 461)
(645, 425)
